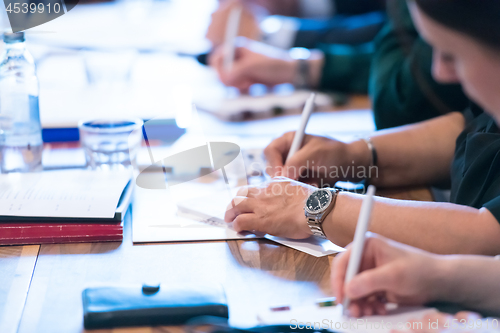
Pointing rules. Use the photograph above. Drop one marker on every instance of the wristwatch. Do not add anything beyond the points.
(302, 56)
(318, 205)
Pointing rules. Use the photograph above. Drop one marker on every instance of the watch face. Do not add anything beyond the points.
(318, 201)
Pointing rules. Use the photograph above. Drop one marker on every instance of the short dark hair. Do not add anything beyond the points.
(479, 19)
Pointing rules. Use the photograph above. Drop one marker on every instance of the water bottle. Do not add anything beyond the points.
(20, 129)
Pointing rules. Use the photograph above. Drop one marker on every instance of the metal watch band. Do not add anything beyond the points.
(315, 222)
(373, 151)
(315, 226)
(302, 55)
(374, 159)
(302, 76)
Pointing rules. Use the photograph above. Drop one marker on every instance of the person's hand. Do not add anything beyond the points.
(254, 63)
(438, 322)
(320, 160)
(249, 27)
(275, 208)
(389, 272)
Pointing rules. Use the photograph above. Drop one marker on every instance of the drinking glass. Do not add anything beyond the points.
(111, 144)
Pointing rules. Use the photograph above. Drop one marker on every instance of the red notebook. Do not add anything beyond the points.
(51, 233)
(45, 230)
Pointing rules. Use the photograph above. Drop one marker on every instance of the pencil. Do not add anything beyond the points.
(359, 240)
(232, 30)
(299, 134)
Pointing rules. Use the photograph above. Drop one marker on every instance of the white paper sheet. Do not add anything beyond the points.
(156, 219)
(194, 213)
(211, 210)
(331, 318)
(264, 106)
(68, 193)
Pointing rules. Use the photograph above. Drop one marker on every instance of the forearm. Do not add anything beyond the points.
(471, 281)
(316, 64)
(436, 227)
(412, 155)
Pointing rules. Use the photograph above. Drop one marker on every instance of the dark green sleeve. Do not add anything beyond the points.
(347, 42)
(401, 85)
(494, 207)
(347, 67)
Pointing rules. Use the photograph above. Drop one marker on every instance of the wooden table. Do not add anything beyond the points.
(41, 286)
(256, 274)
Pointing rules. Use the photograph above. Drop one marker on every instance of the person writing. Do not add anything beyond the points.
(339, 31)
(395, 67)
(397, 273)
(460, 149)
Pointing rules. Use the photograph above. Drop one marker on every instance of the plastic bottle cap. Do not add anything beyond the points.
(13, 37)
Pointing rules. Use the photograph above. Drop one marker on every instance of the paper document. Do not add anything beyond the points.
(67, 193)
(211, 210)
(264, 106)
(331, 318)
(157, 219)
(160, 216)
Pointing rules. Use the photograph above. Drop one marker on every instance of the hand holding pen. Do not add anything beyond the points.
(390, 272)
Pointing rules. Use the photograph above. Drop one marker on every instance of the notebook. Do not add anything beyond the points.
(19, 230)
(63, 196)
(24, 230)
(57, 233)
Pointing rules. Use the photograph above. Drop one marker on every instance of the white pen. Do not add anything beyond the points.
(358, 243)
(299, 134)
(232, 29)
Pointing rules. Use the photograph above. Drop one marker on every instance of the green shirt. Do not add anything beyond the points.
(475, 172)
(347, 67)
(401, 85)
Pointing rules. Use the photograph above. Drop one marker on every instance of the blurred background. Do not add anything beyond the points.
(149, 59)
(119, 58)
